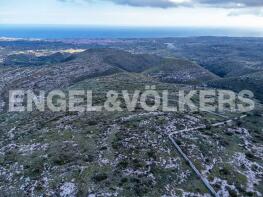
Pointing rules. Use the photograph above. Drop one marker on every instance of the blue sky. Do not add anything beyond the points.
(198, 13)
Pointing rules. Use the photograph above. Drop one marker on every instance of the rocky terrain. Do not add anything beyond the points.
(126, 153)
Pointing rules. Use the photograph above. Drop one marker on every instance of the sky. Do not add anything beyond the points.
(169, 13)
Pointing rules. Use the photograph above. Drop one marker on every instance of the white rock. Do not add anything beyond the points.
(68, 190)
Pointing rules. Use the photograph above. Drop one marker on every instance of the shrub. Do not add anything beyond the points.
(100, 177)
(92, 122)
(123, 164)
(224, 171)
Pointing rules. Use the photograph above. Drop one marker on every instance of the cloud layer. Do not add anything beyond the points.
(175, 3)
(147, 3)
(232, 3)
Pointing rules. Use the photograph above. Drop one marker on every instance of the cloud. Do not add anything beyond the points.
(153, 3)
(175, 3)
(246, 11)
(143, 3)
(232, 3)
(146, 3)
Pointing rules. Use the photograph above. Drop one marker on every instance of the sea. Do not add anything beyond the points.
(104, 32)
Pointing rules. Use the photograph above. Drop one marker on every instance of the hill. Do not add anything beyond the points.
(128, 61)
(252, 82)
(32, 60)
(226, 57)
(174, 70)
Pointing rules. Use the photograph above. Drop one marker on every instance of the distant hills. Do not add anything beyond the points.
(238, 61)
(226, 57)
(232, 63)
(96, 61)
(32, 60)
(62, 70)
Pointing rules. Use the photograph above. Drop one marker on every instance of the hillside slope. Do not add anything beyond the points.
(226, 57)
(172, 70)
(180, 71)
(252, 82)
(98, 62)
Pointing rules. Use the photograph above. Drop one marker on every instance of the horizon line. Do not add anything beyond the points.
(134, 26)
